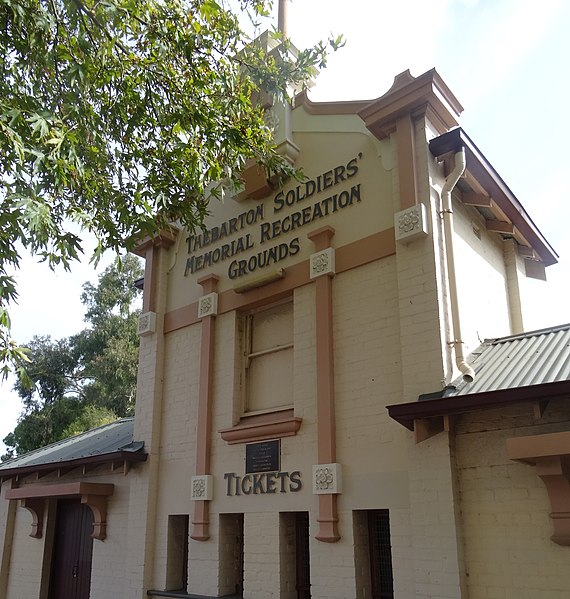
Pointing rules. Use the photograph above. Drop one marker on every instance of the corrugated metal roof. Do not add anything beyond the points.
(106, 439)
(521, 360)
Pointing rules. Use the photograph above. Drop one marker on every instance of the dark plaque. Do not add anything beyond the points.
(262, 457)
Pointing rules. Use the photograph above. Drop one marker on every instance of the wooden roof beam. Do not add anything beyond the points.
(498, 226)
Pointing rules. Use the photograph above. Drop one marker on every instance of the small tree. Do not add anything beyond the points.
(88, 379)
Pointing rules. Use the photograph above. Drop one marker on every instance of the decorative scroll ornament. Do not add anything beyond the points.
(202, 488)
(208, 305)
(411, 223)
(327, 479)
(322, 263)
(147, 323)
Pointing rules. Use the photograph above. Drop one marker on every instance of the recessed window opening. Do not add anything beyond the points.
(268, 358)
(231, 555)
(373, 554)
(177, 553)
(294, 555)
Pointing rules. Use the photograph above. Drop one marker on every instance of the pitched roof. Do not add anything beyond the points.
(521, 360)
(530, 367)
(107, 443)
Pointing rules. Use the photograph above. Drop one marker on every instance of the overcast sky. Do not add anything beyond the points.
(505, 60)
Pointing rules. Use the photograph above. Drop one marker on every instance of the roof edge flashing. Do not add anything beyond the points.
(425, 94)
(483, 172)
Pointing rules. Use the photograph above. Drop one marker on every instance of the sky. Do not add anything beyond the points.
(505, 60)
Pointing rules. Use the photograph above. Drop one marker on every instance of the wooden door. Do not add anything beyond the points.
(72, 551)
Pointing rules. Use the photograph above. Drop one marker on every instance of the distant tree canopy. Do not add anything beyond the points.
(88, 379)
(122, 116)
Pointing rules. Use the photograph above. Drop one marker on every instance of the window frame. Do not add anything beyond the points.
(248, 355)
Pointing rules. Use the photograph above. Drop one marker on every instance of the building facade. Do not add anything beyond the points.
(272, 345)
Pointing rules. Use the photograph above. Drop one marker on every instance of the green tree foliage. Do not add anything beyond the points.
(42, 426)
(88, 379)
(107, 351)
(123, 116)
(89, 417)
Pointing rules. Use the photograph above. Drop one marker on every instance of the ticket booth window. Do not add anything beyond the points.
(380, 547)
(268, 358)
(295, 563)
(373, 554)
(231, 555)
(177, 553)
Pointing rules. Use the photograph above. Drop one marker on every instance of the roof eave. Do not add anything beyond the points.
(489, 179)
(96, 460)
(406, 413)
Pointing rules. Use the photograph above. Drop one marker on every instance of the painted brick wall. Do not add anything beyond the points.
(367, 371)
(481, 278)
(25, 574)
(332, 564)
(108, 562)
(203, 556)
(505, 508)
(435, 537)
(144, 482)
(261, 556)
(109, 556)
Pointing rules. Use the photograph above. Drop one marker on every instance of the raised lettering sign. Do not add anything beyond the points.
(305, 211)
(263, 483)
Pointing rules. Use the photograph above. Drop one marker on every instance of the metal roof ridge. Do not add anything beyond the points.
(527, 334)
(61, 442)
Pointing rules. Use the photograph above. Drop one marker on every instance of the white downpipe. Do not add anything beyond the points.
(447, 210)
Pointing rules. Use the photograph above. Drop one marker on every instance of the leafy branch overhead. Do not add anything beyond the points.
(121, 116)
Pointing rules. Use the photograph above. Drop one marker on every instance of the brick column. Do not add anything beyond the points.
(326, 427)
(200, 521)
(138, 575)
(407, 170)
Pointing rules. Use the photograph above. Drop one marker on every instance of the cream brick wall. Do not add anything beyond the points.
(7, 520)
(144, 483)
(178, 437)
(203, 562)
(25, 574)
(402, 550)
(370, 445)
(418, 280)
(506, 508)
(481, 279)
(436, 542)
(261, 556)
(332, 564)
(109, 556)
(368, 377)
(31, 558)
(227, 405)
